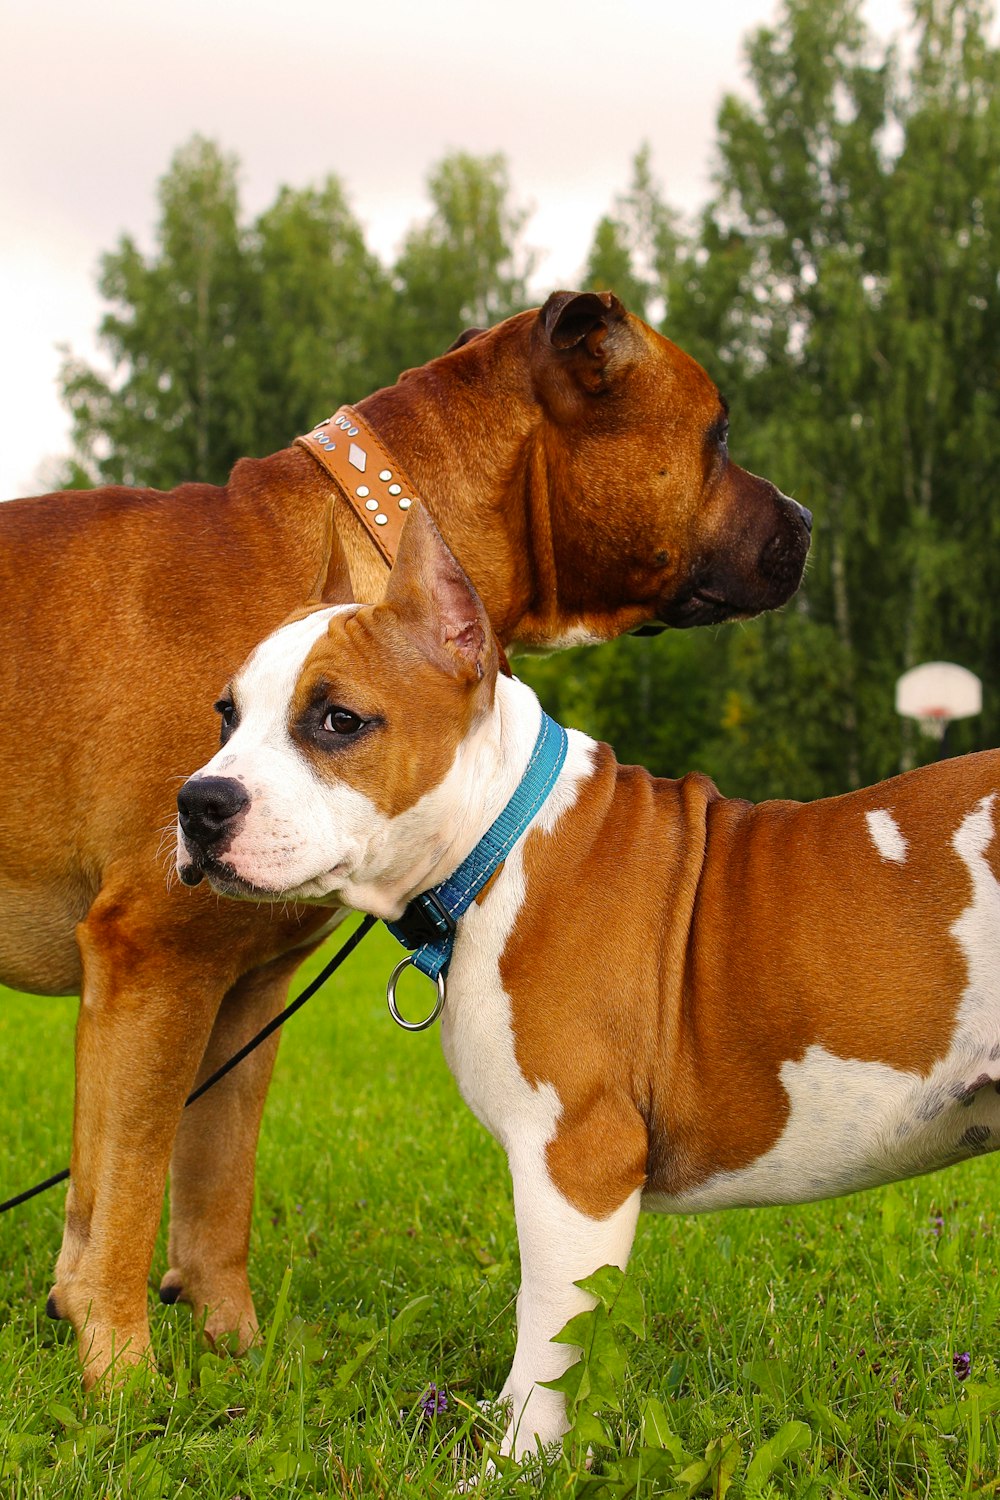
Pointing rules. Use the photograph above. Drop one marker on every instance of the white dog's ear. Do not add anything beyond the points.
(429, 590)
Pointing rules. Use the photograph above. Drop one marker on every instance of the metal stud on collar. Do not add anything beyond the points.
(390, 997)
(375, 487)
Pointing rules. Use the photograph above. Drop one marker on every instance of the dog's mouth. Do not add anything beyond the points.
(222, 878)
(226, 881)
(708, 608)
(191, 874)
(701, 607)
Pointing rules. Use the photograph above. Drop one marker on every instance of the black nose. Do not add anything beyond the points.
(207, 806)
(806, 516)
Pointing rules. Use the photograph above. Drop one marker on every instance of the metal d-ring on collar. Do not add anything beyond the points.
(390, 996)
(429, 921)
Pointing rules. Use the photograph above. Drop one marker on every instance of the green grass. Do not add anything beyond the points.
(384, 1258)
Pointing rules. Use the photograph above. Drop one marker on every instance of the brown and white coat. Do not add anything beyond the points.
(665, 998)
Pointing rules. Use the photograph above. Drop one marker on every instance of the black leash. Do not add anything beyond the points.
(344, 951)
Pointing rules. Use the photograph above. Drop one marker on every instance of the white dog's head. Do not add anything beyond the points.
(345, 774)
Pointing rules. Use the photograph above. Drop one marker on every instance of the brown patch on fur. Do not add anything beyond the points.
(595, 1180)
(674, 949)
(408, 691)
(582, 969)
(437, 667)
(488, 886)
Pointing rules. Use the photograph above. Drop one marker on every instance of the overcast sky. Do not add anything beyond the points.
(96, 95)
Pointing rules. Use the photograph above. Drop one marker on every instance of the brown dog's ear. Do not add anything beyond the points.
(465, 338)
(429, 590)
(571, 317)
(585, 327)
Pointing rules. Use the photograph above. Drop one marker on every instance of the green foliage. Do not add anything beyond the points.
(792, 1438)
(593, 1383)
(635, 247)
(656, 1462)
(846, 277)
(781, 734)
(324, 300)
(658, 705)
(465, 266)
(842, 288)
(594, 1386)
(179, 400)
(230, 338)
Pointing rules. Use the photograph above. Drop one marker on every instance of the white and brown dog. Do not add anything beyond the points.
(638, 959)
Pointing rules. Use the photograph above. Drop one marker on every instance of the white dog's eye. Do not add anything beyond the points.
(227, 710)
(342, 721)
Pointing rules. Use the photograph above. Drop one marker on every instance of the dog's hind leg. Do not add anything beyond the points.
(212, 1168)
(146, 1014)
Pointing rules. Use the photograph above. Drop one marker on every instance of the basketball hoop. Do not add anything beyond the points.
(936, 693)
(933, 722)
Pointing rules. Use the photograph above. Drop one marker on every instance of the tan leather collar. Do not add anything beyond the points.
(369, 478)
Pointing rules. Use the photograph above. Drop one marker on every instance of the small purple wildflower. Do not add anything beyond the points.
(937, 1223)
(961, 1363)
(433, 1402)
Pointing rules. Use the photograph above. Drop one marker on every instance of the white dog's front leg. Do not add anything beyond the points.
(559, 1245)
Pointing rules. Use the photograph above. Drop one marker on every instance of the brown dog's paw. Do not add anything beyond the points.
(227, 1317)
(231, 1327)
(109, 1359)
(171, 1288)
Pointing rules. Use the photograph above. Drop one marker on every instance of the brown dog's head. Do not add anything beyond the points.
(648, 511)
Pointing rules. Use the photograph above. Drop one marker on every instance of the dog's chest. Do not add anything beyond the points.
(477, 1031)
(476, 1027)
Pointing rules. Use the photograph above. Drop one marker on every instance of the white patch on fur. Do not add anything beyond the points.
(887, 836)
(428, 841)
(559, 1245)
(338, 915)
(977, 930)
(299, 834)
(854, 1124)
(572, 635)
(264, 685)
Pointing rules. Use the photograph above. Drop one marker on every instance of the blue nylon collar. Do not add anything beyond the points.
(428, 923)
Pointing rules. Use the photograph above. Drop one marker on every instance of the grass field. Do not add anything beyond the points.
(384, 1260)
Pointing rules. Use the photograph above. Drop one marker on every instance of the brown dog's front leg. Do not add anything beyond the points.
(212, 1169)
(145, 1017)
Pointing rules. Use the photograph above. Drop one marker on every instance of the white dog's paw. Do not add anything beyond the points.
(496, 1409)
(495, 1415)
(531, 1464)
(527, 1428)
(470, 1486)
(536, 1424)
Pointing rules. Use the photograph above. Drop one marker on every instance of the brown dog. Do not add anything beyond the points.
(575, 461)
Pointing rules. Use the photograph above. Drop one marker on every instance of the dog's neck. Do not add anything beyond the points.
(513, 730)
(432, 838)
(505, 545)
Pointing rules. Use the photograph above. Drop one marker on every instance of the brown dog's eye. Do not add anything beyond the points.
(342, 721)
